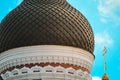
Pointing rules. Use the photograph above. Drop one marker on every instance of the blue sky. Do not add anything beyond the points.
(104, 17)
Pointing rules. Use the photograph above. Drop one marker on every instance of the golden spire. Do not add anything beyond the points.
(105, 77)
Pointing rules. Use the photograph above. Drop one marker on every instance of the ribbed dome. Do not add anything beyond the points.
(45, 22)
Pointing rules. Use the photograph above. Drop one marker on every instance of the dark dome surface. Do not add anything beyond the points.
(45, 22)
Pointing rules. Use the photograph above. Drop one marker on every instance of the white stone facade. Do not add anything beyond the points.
(43, 54)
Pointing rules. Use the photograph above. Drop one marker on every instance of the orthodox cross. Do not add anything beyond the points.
(104, 54)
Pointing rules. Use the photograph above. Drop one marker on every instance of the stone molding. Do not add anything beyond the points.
(47, 72)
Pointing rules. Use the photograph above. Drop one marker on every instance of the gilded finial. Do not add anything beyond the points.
(104, 54)
(105, 77)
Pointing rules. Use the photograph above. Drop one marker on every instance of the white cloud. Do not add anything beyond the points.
(103, 39)
(110, 10)
(103, 20)
(96, 78)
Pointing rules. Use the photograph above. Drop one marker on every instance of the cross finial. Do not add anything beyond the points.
(104, 54)
(105, 50)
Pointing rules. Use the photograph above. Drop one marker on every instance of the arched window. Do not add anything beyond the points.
(71, 71)
(49, 69)
(25, 70)
(80, 73)
(7, 74)
(60, 69)
(15, 72)
(36, 69)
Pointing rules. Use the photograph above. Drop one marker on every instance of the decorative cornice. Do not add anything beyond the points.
(46, 64)
(37, 72)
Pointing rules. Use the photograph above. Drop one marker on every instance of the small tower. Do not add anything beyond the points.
(105, 77)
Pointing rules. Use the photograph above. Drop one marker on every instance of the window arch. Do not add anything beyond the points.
(15, 72)
(80, 73)
(71, 71)
(7, 74)
(49, 69)
(36, 69)
(25, 70)
(60, 69)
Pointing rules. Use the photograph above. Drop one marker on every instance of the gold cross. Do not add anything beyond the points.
(104, 54)
(105, 50)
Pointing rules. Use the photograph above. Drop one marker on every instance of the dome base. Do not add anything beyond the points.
(52, 56)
